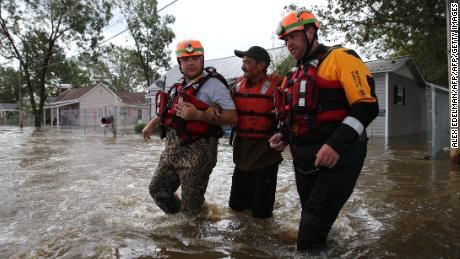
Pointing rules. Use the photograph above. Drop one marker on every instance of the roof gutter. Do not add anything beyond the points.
(60, 104)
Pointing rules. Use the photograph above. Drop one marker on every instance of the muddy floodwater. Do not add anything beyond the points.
(73, 195)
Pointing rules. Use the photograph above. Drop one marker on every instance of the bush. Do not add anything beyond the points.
(138, 127)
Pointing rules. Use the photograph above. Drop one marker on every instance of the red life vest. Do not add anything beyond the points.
(305, 102)
(256, 118)
(188, 131)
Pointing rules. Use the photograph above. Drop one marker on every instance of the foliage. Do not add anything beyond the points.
(123, 69)
(138, 127)
(63, 71)
(32, 31)
(116, 67)
(72, 72)
(151, 35)
(95, 66)
(398, 27)
(290, 8)
(9, 85)
(285, 67)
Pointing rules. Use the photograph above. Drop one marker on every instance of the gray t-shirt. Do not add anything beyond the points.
(214, 91)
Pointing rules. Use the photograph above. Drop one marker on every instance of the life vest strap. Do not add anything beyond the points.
(190, 131)
(324, 107)
(331, 106)
(250, 130)
(259, 114)
(240, 95)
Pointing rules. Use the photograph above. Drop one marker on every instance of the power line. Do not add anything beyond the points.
(111, 25)
(116, 35)
(113, 37)
(167, 5)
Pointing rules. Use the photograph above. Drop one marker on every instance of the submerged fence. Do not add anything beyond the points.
(85, 120)
(12, 119)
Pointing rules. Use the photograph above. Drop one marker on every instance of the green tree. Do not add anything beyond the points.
(31, 31)
(68, 72)
(72, 72)
(124, 69)
(9, 85)
(117, 67)
(62, 70)
(93, 65)
(398, 27)
(285, 66)
(151, 35)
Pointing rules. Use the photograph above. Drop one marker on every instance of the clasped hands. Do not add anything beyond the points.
(326, 156)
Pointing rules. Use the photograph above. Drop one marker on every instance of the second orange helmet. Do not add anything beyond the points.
(295, 21)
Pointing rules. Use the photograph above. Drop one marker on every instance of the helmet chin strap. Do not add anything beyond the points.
(309, 42)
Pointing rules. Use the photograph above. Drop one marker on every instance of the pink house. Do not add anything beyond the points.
(86, 106)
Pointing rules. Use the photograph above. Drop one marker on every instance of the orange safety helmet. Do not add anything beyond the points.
(189, 48)
(295, 21)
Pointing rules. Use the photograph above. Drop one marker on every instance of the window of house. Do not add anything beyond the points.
(399, 95)
(124, 111)
(100, 113)
(139, 114)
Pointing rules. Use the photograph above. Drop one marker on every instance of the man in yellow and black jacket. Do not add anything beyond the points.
(323, 106)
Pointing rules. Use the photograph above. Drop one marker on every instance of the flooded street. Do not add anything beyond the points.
(86, 196)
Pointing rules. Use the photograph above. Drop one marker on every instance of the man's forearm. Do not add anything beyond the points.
(153, 123)
(226, 117)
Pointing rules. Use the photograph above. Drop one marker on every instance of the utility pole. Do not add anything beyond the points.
(21, 115)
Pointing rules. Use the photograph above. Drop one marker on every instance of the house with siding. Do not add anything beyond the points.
(401, 91)
(6, 110)
(8, 107)
(86, 106)
(151, 92)
(400, 88)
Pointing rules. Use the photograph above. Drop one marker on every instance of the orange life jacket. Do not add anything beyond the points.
(188, 131)
(306, 102)
(256, 117)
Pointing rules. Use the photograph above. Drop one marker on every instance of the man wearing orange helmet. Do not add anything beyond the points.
(191, 123)
(256, 164)
(323, 106)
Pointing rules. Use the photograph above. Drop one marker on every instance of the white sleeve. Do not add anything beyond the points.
(214, 91)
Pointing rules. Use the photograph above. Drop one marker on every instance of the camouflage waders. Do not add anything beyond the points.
(186, 165)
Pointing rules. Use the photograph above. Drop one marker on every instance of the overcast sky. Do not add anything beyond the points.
(222, 25)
